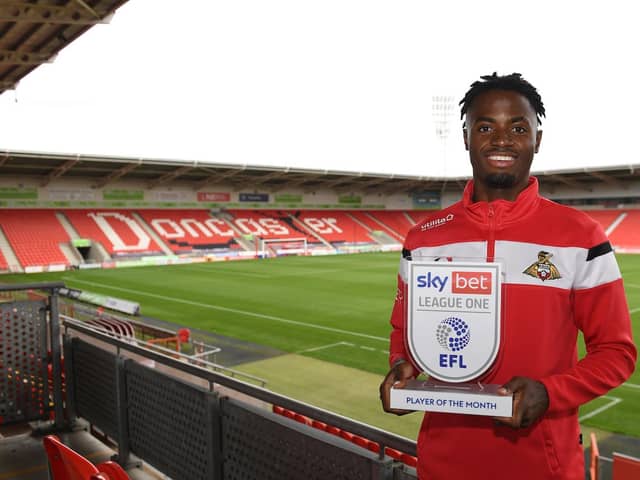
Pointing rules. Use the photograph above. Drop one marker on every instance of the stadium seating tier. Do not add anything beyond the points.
(117, 230)
(35, 236)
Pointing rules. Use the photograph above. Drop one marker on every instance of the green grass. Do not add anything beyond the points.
(339, 389)
(332, 309)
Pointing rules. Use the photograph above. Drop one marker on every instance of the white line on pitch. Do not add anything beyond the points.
(306, 273)
(371, 349)
(231, 310)
(322, 347)
(630, 385)
(199, 266)
(632, 285)
(346, 344)
(634, 310)
(614, 401)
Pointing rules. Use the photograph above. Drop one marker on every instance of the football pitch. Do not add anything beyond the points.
(329, 316)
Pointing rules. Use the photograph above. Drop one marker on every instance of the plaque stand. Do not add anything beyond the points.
(466, 398)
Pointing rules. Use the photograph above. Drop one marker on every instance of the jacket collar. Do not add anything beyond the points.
(504, 211)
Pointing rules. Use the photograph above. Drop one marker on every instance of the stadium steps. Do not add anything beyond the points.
(71, 253)
(8, 255)
(152, 233)
(23, 457)
(302, 225)
(610, 229)
(625, 236)
(394, 233)
(243, 242)
(411, 220)
(66, 224)
(381, 237)
(98, 252)
(389, 230)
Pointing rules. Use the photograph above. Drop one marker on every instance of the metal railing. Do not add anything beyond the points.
(44, 326)
(382, 437)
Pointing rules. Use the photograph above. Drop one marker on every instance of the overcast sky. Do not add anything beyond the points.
(330, 84)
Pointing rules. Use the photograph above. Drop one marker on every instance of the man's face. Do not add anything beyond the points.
(502, 137)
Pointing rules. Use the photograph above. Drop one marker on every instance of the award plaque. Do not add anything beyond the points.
(453, 334)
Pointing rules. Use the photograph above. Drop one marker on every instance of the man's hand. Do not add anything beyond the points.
(396, 377)
(530, 401)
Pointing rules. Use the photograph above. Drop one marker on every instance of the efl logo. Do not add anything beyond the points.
(478, 283)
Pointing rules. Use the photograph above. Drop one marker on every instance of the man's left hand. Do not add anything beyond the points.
(530, 401)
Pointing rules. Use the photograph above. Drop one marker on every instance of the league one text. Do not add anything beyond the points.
(453, 334)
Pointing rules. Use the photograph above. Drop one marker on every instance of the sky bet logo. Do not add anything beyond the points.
(475, 283)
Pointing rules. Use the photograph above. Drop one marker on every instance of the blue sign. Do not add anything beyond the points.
(254, 197)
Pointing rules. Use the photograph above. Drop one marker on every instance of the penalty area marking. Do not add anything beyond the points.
(323, 347)
(342, 344)
(230, 310)
(613, 401)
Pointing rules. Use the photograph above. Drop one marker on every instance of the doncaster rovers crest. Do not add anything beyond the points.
(543, 268)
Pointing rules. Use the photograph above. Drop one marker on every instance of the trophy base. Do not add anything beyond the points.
(466, 398)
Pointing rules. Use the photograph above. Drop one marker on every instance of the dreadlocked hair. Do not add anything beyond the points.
(513, 82)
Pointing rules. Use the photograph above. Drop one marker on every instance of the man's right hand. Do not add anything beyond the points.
(397, 377)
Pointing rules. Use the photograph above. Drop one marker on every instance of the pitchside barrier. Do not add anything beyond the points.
(192, 423)
(30, 365)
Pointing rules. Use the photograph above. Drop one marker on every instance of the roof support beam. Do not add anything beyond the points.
(58, 172)
(169, 176)
(402, 186)
(571, 183)
(5, 158)
(339, 181)
(121, 172)
(8, 85)
(70, 14)
(607, 179)
(216, 177)
(270, 176)
(15, 57)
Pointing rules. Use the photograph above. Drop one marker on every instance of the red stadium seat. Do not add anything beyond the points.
(360, 441)
(119, 231)
(191, 230)
(335, 226)
(333, 430)
(625, 236)
(35, 236)
(278, 409)
(347, 435)
(366, 443)
(625, 467)
(66, 464)
(393, 453)
(319, 425)
(112, 471)
(409, 460)
(298, 417)
(373, 446)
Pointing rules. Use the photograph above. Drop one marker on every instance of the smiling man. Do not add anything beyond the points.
(560, 277)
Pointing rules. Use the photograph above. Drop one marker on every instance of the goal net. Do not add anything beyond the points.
(276, 247)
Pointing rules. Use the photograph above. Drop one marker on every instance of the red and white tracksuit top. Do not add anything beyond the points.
(540, 321)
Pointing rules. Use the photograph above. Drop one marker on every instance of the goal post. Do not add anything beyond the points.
(276, 247)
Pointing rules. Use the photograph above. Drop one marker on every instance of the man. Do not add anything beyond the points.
(561, 277)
